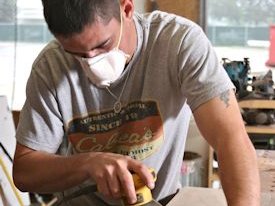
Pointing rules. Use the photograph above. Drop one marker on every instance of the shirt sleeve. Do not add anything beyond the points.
(40, 126)
(201, 75)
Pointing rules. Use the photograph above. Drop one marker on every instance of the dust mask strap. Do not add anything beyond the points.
(121, 30)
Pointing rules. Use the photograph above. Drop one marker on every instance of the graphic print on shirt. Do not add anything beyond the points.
(137, 131)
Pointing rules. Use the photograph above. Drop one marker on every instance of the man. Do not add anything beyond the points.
(112, 96)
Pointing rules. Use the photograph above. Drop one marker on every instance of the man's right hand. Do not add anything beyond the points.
(42, 172)
(113, 174)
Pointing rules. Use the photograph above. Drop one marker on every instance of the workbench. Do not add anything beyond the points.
(198, 196)
(266, 164)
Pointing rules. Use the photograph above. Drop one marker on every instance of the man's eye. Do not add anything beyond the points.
(105, 45)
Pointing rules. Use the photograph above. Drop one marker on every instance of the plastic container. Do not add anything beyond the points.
(192, 170)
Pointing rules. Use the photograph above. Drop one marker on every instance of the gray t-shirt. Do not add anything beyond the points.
(173, 71)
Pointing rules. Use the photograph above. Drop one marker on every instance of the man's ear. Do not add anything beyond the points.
(127, 8)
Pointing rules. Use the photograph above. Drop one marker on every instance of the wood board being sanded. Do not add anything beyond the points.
(9, 195)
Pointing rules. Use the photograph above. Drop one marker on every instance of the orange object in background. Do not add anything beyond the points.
(271, 60)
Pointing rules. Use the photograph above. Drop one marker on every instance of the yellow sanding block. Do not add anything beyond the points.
(143, 193)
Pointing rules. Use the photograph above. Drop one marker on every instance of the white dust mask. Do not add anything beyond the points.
(107, 67)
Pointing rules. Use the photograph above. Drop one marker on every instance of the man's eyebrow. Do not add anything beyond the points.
(101, 44)
(97, 46)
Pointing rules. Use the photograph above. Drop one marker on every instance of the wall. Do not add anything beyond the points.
(191, 9)
(140, 5)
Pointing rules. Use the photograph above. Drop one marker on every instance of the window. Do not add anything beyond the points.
(23, 34)
(241, 28)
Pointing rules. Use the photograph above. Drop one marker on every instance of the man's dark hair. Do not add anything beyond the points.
(69, 17)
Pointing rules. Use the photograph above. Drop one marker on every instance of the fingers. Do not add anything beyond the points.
(103, 187)
(109, 184)
(128, 187)
(112, 174)
(114, 186)
(142, 172)
(118, 184)
(146, 175)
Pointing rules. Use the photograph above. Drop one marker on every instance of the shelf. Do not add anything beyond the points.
(261, 129)
(257, 104)
(215, 176)
(212, 172)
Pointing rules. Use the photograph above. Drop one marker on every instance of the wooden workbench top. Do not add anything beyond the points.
(198, 196)
(266, 163)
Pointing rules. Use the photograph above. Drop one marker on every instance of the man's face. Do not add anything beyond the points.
(95, 39)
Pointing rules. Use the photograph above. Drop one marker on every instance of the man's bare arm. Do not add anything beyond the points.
(41, 172)
(220, 122)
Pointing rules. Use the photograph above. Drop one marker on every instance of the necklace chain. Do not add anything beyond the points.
(118, 105)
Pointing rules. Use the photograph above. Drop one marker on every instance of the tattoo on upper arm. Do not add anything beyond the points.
(225, 97)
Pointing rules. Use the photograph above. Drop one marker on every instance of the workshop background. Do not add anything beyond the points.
(242, 33)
